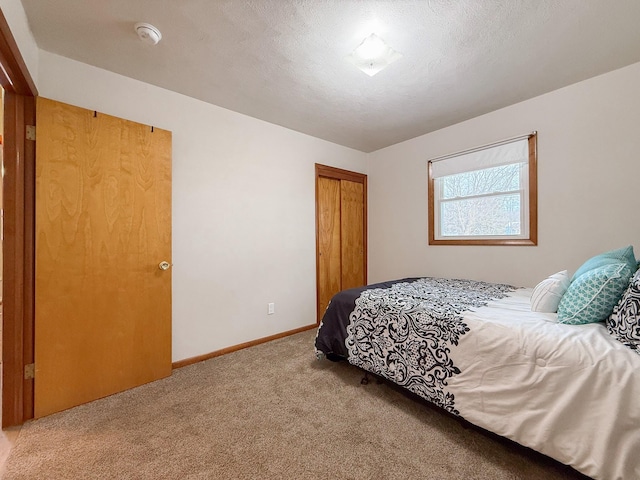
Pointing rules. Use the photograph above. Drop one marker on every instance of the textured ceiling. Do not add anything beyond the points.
(283, 60)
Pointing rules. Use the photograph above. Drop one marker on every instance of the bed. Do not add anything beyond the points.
(477, 350)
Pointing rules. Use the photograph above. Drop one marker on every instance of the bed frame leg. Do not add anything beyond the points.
(365, 379)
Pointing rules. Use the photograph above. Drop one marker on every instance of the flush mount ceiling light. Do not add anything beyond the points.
(148, 33)
(373, 55)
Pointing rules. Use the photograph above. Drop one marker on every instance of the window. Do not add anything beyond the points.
(485, 196)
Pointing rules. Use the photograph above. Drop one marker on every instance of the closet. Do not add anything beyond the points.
(341, 232)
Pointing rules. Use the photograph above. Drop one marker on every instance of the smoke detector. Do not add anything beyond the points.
(148, 33)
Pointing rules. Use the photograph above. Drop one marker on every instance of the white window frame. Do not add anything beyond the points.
(523, 152)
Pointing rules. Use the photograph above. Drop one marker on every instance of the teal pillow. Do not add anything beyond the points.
(621, 255)
(591, 297)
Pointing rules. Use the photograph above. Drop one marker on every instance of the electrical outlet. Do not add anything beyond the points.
(271, 309)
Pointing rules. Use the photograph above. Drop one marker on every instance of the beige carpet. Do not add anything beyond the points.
(270, 411)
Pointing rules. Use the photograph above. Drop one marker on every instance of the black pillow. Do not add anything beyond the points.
(624, 322)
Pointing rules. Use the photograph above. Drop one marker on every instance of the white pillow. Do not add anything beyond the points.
(547, 294)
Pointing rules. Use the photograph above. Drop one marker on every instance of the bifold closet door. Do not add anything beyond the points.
(329, 239)
(341, 234)
(352, 233)
(103, 227)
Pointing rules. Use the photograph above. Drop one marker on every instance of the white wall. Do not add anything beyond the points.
(243, 206)
(243, 194)
(588, 181)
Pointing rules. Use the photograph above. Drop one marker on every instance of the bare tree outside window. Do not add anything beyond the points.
(482, 202)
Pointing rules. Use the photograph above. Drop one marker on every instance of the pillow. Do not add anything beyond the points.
(624, 322)
(621, 255)
(591, 297)
(547, 294)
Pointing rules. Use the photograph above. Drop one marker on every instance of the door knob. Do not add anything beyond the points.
(164, 265)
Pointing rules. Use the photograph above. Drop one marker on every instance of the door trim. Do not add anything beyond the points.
(18, 245)
(338, 174)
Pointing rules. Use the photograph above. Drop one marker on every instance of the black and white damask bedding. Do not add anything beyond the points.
(477, 350)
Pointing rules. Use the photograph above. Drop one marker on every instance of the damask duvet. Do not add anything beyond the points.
(477, 350)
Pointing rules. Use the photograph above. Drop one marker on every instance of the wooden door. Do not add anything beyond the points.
(103, 225)
(352, 233)
(341, 231)
(329, 239)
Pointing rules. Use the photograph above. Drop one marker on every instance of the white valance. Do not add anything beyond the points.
(494, 155)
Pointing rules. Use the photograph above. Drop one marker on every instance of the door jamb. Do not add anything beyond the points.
(18, 242)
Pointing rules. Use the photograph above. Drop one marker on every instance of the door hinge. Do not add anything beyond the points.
(31, 132)
(29, 371)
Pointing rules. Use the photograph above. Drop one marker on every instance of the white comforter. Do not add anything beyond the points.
(571, 392)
